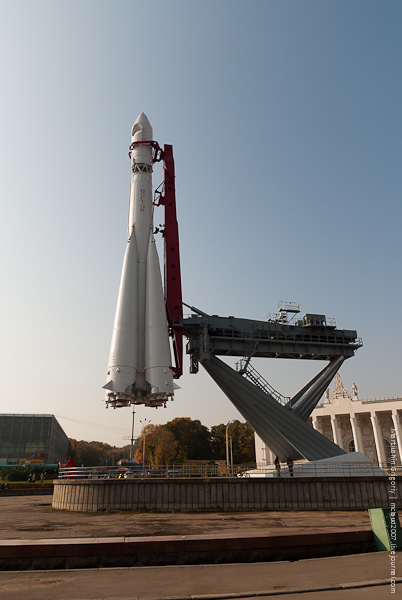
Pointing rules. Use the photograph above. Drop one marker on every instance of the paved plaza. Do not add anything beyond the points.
(356, 577)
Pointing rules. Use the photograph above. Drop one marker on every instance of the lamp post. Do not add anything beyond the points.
(132, 436)
(231, 455)
(227, 449)
(144, 423)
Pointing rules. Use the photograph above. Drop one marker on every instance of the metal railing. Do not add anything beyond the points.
(244, 367)
(334, 337)
(300, 469)
(289, 336)
(150, 471)
(324, 469)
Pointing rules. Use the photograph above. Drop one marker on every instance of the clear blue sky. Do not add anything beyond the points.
(285, 118)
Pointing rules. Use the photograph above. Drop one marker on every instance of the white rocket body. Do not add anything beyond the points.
(139, 369)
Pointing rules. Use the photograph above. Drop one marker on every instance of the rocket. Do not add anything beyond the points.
(139, 370)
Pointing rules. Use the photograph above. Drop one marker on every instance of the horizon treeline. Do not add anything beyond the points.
(175, 442)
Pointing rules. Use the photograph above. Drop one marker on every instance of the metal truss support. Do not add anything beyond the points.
(284, 431)
(304, 402)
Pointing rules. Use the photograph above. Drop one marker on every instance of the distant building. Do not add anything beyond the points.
(372, 427)
(31, 439)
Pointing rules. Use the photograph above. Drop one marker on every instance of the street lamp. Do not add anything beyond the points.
(132, 438)
(144, 423)
(227, 450)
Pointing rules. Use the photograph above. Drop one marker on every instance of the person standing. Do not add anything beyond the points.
(290, 465)
(277, 466)
(70, 464)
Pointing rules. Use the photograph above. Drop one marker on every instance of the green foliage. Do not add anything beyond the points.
(179, 440)
(92, 454)
(243, 442)
(149, 432)
(242, 435)
(160, 446)
(165, 447)
(218, 441)
(175, 442)
(192, 437)
(3, 474)
(16, 473)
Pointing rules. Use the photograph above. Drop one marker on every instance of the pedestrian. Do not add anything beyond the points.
(72, 464)
(277, 466)
(290, 465)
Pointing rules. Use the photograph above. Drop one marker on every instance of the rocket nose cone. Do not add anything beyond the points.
(142, 124)
(143, 119)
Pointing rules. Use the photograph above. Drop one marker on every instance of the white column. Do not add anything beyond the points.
(315, 424)
(270, 456)
(378, 439)
(357, 438)
(335, 431)
(260, 449)
(397, 426)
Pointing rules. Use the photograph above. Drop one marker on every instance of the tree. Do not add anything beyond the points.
(161, 448)
(17, 473)
(165, 447)
(175, 442)
(192, 438)
(149, 433)
(242, 435)
(92, 454)
(218, 441)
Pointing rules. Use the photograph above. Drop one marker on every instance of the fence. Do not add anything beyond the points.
(317, 469)
(159, 471)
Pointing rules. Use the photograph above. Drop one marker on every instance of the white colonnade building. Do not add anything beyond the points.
(372, 427)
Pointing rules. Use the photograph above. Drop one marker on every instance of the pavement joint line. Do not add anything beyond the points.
(234, 596)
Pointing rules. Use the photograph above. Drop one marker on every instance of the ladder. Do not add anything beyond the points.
(245, 369)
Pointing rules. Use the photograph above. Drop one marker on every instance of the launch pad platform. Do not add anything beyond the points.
(281, 422)
(309, 338)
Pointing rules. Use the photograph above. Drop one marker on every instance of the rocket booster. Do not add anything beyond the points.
(139, 370)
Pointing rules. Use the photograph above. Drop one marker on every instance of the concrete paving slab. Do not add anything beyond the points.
(32, 517)
(217, 581)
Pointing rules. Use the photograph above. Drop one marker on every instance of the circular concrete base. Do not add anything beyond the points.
(303, 493)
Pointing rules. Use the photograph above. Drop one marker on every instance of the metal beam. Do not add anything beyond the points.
(284, 432)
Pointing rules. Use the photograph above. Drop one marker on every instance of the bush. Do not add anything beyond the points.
(3, 474)
(16, 473)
